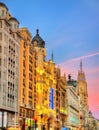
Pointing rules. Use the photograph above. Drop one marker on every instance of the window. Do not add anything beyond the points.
(4, 75)
(30, 76)
(30, 85)
(0, 61)
(30, 103)
(24, 44)
(27, 113)
(24, 63)
(0, 73)
(2, 13)
(24, 82)
(0, 49)
(30, 94)
(35, 72)
(23, 100)
(24, 72)
(30, 50)
(20, 112)
(30, 68)
(10, 25)
(0, 36)
(5, 50)
(23, 92)
(23, 113)
(5, 63)
(30, 59)
(24, 53)
(15, 26)
(34, 64)
(0, 24)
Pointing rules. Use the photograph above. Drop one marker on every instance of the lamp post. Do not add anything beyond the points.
(35, 120)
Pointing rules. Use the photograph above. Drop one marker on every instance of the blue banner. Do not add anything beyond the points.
(64, 128)
(51, 98)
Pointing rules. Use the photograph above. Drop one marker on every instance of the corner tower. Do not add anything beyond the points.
(39, 49)
(82, 87)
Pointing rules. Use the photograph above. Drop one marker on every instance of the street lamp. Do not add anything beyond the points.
(35, 120)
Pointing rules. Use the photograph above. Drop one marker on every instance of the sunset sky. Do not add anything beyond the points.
(70, 29)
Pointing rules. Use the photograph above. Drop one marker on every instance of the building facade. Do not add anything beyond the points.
(83, 97)
(97, 124)
(45, 86)
(33, 94)
(91, 122)
(26, 98)
(38, 81)
(73, 105)
(61, 101)
(9, 67)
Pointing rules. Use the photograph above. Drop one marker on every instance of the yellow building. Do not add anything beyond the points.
(26, 98)
(61, 100)
(42, 88)
(45, 86)
(73, 104)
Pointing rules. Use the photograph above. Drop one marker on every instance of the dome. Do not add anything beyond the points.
(39, 40)
(14, 19)
(3, 5)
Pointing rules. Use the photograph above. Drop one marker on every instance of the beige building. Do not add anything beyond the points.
(91, 122)
(97, 123)
(73, 105)
(82, 87)
(83, 97)
(9, 67)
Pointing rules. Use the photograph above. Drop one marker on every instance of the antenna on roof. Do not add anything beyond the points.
(52, 56)
(37, 31)
(81, 65)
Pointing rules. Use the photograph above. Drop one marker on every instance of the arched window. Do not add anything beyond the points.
(0, 36)
(0, 24)
(0, 49)
(3, 13)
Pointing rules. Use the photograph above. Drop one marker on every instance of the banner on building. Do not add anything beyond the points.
(51, 98)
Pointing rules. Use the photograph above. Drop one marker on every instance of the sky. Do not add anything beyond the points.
(70, 29)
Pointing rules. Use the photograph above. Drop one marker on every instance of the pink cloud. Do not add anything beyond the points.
(79, 58)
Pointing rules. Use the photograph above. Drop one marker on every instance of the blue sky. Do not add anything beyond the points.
(70, 29)
(65, 25)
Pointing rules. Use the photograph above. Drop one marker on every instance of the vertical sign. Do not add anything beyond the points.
(51, 98)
